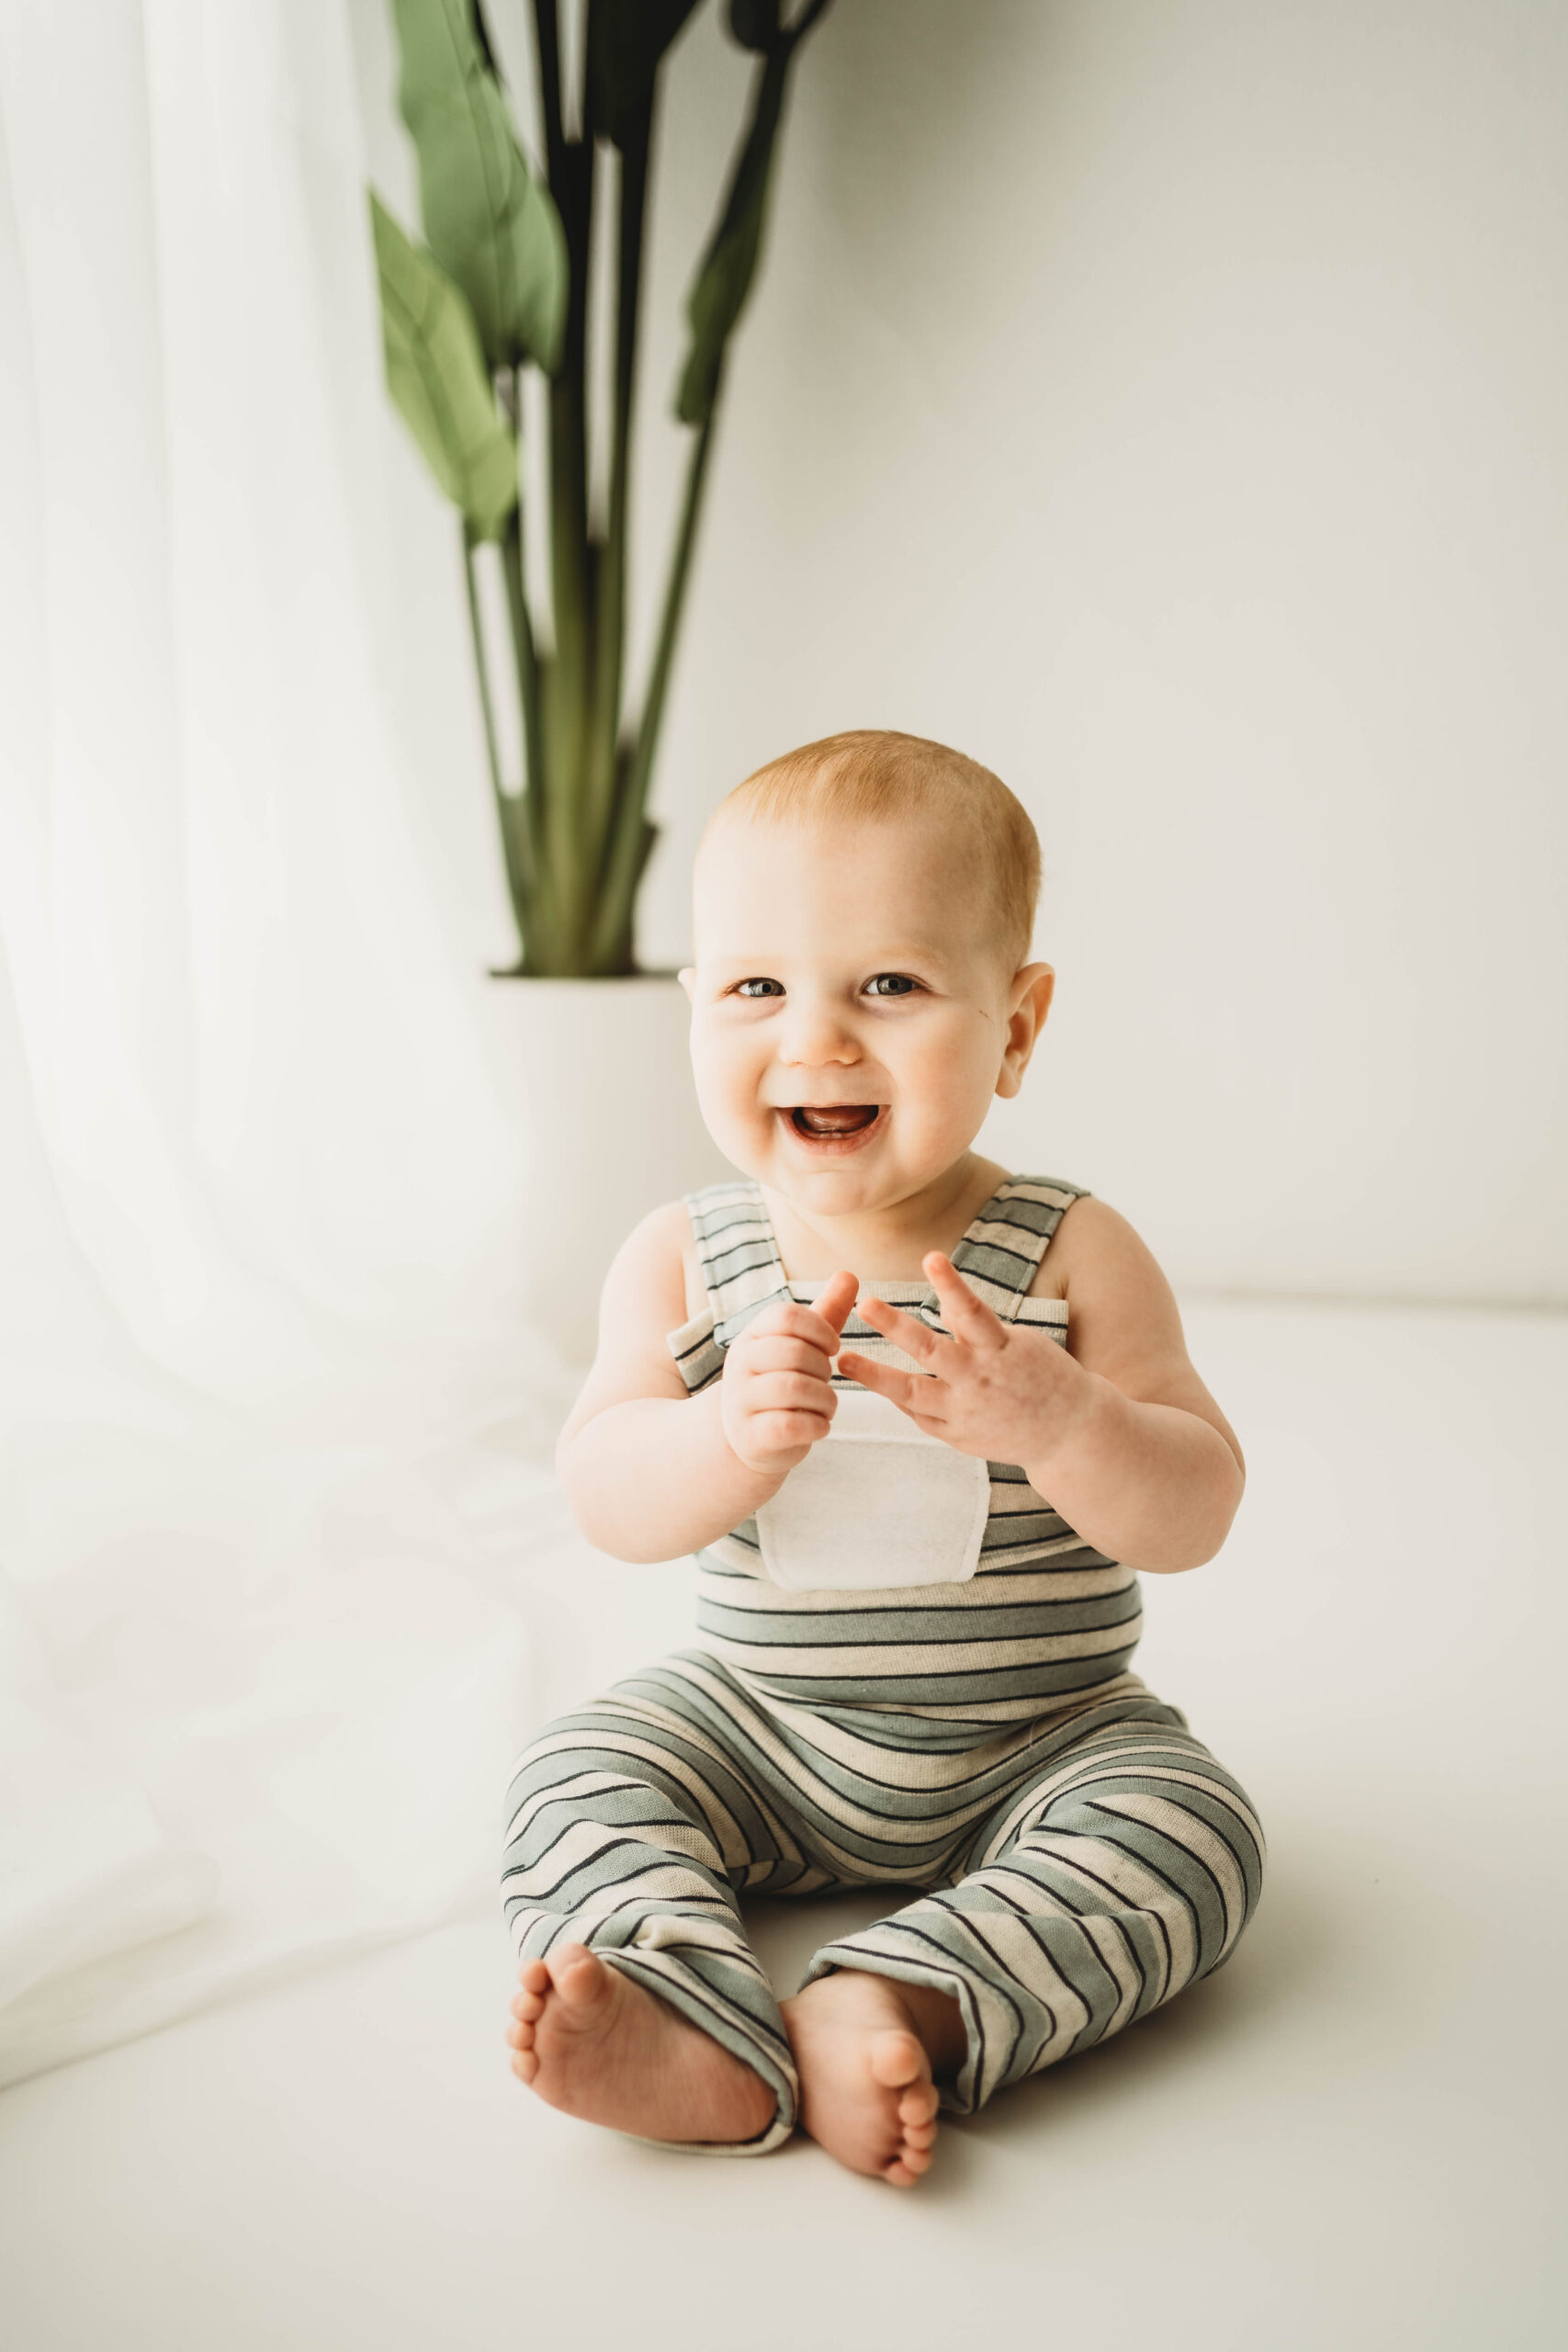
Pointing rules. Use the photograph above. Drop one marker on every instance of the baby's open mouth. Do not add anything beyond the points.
(827, 1121)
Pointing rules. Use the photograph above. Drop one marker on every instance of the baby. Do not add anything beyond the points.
(920, 1420)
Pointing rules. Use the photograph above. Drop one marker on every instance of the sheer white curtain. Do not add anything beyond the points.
(267, 1408)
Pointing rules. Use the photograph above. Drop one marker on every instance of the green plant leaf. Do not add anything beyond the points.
(436, 374)
(626, 42)
(725, 274)
(724, 278)
(488, 222)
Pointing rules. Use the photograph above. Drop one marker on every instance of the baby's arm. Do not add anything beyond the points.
(1120, 1433)
(652, 1472)
(1153, 1464)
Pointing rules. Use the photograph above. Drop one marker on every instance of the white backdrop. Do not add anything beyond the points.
(1162, 400)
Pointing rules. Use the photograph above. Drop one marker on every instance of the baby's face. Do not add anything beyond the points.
(851, 1018)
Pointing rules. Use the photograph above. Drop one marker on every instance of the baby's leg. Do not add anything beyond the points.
(639, 2004)
(1123, 1866)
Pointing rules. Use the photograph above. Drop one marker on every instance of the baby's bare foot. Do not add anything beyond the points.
(866, 2077)
(597, 2045)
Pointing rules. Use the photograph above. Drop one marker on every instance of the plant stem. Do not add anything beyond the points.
(546, 38)
(630, 841)
(532, 914)
(611, 621)
(527, 657)
(571, 668)
(506, 808)
(529, 682)
(675, 603)
(570, 165)
(481, 666)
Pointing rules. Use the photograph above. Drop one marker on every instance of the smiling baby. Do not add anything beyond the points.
(921, 1421)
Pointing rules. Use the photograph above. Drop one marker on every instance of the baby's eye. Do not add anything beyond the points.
(891, 984)
(759, 987)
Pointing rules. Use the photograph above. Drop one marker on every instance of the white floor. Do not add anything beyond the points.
(1351, 2138)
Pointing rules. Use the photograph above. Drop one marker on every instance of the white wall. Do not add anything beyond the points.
(1163, 399)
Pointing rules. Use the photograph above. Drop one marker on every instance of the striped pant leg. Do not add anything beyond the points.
(1118, 1871)
(630, 1829)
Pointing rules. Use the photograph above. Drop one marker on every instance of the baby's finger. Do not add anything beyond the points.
(785, 1315)
(780, 1432)
(779, 1353)
(774, 1392)
(790, 1319)
(906, 1331)
(915, 1393)
(838, 1297)
(967, 1318)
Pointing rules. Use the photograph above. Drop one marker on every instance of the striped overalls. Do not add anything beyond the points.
(1073, 1856)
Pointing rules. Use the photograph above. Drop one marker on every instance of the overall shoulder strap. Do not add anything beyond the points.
(737, 1252)
(1000, 1253)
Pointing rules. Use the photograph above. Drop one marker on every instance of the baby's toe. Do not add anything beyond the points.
(919, 2104)
(896, 2058)
(520, 2033)
(528, 2006)
(525, 2064)
(534, 1977)
(915, 2160)
(919, 2135)
(583, 1985)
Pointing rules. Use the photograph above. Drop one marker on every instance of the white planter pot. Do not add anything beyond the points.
(600, 1079)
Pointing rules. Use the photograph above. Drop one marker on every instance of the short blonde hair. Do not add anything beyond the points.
(871, 774)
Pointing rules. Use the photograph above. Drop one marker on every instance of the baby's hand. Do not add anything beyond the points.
(776, 1398)
(994, 1389)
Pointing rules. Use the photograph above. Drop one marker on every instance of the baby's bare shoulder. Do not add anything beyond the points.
(643, 1300)
(1091, 1236)
(655, 1273)
(1091, 1240)
(1121, 1313)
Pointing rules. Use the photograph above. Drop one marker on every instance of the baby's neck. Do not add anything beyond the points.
(885, 1244)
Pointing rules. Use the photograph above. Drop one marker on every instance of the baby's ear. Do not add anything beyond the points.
(688, 979)
(1032, 991)
(1034, 985)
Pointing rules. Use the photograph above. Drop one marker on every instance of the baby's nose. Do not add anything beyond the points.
(817, 1036)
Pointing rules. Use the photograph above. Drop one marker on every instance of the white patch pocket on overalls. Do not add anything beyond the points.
(875, 1505)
